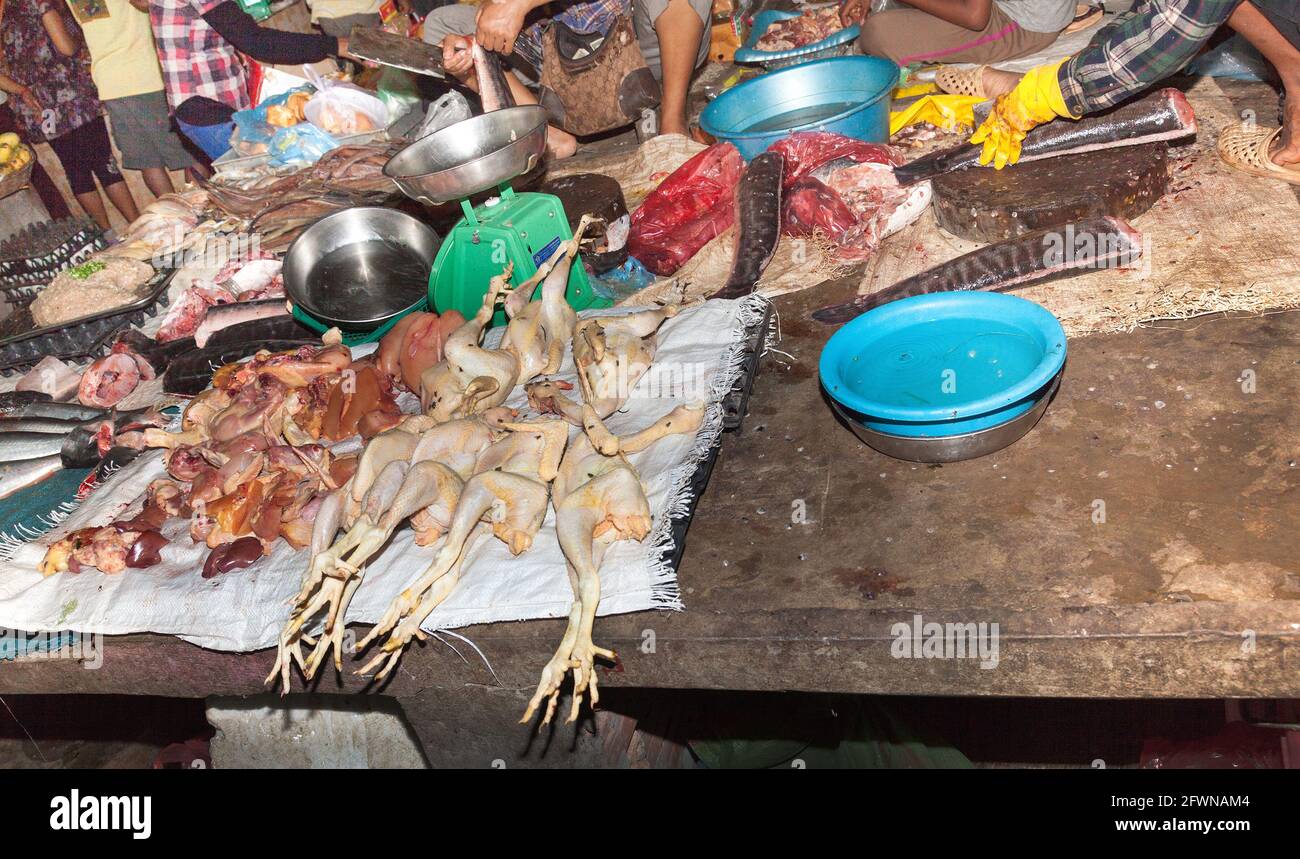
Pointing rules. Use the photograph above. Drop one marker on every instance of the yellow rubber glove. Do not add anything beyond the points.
(1035, 100)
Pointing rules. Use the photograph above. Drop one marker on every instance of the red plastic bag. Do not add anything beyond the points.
(805, 151)
(694, 205)
(810, 207)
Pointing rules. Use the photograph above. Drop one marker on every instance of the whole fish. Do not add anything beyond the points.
(56, 426)
(18, 446)
(1162, 115)
(17, 476)
(1043, 255)
(758, 223)
(271, 328)
(224, 315)
(53, 410)
(493, 90)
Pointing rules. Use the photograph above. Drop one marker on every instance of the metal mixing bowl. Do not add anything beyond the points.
(361, 267)
(470, 156)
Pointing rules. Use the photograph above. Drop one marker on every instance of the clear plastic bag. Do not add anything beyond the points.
(342, 108)
(448, 110)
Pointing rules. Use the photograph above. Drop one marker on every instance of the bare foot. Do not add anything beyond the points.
(1287, 153)
(560, 144)
(998, 83)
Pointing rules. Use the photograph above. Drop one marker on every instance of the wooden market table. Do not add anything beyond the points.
(1189, 588)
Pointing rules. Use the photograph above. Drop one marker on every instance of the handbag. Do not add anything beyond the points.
(594, 82)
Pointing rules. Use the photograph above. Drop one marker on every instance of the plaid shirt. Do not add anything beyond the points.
(1149, 42)
(195, 59)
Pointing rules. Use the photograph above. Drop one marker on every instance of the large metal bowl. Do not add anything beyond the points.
(470, 156)
(361, 267)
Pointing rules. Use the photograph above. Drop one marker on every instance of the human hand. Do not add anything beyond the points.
(854, 11)
(1035, 100)
(499, 23)
(457, 58)
(29, 99)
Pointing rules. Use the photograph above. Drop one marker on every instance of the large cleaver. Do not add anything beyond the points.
(388, 49)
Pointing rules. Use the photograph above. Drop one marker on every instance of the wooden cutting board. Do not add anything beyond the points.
(985, 205)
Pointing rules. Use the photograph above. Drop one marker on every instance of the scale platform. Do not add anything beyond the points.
(472, 156)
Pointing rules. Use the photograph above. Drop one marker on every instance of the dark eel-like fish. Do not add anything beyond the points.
(758, 223)
(189, 375)
(1036, 257)
(1162, 115)
(493, 90)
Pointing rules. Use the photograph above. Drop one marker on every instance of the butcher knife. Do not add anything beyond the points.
(389, 49)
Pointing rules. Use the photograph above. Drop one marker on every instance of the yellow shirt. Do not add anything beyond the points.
(123, 61)
(342, 8)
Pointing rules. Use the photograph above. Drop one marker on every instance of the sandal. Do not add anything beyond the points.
(957, 81)
(1246, 147)
(1085, 16)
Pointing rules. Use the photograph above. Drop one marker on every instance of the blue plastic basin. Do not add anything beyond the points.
(943, 364)
(846, 95)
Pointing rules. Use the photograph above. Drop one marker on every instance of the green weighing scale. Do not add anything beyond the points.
(484, 153)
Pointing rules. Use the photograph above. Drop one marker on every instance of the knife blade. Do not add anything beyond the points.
(389, 49)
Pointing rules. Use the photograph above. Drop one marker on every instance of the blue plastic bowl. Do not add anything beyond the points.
(944, 364)
(832, 45)
(846, 95)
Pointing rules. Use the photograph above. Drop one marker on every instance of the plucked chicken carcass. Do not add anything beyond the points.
(612, 353)
(413, 471)
(598, 500)
(508, 494)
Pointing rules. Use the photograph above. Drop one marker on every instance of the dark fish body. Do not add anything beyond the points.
(493, 90)
(223, 316)
(159, 355)
(1162, 115)
(74, 412)
(79, 448)
(17, 476)
(113, 460)
(18, 446)
(758, 223)
(56, 426)
(15, 399)
(1036, 257)
(190, 374)
(257, 330)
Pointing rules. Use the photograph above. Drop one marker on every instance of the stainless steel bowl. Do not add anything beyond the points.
(360, 267)
(952, 448)
(470, 156)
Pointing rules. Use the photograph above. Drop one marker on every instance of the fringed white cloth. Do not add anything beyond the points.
(702, 351)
